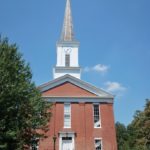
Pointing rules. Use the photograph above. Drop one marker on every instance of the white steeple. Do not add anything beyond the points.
(67, 48)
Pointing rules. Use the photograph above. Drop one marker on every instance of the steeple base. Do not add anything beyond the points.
(61, 71)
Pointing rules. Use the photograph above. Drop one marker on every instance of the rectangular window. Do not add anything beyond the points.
(67, 60)
(96, 116)
(98, 144)
(67, 115)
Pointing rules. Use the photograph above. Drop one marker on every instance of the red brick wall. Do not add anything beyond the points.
(108, 127)
(81, 121)
(82, 124)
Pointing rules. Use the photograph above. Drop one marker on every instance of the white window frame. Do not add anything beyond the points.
(99, 115)
(100, 141)
(67, 114)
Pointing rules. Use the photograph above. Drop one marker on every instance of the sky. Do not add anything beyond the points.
(114, 41)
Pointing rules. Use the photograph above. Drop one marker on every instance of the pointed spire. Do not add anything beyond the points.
(67, 30)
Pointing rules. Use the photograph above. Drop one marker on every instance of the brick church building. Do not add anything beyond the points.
(82, 114)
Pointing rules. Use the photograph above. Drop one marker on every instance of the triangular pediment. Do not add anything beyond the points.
(69, 86)
(68, 89)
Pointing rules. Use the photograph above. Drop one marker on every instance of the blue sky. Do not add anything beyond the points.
(114, 44)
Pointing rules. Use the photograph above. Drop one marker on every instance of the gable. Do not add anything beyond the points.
(68, 89)
(68, 85)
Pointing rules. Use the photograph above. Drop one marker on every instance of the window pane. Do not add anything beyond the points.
(67, 60)
(96, 116)
(98, 144)
(67, 115)
(67, 108)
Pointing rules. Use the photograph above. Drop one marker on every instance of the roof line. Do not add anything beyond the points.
(73, 80)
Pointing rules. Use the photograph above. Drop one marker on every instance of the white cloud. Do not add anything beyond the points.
(98, 68)
(114, 87)
(87, 69)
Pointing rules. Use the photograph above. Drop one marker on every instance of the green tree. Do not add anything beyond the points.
(122, 136)
(139, 129)
(22, 110)
(137, 134)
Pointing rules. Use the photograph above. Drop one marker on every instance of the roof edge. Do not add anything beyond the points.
(87, 86)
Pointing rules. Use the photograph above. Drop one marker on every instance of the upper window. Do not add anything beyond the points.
(98, 144)
(67, 60)
(67, 115)
(96, 116)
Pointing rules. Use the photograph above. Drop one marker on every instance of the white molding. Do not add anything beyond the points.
(67, 43)
(82, 84)
(67, 127)
(78, 99)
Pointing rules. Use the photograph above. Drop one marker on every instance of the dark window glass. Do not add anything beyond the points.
(67, 60)
(98, 144)
(66, 138)
(96, 116)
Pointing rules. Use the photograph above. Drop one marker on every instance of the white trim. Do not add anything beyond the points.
(68, 43)
(77, 82)
(78, 99)
(100, 140)
(68, 134)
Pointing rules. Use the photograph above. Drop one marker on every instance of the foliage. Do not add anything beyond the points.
(122, 136)
(136, 136)
(137, 133)
(141, 127)
(22, 110)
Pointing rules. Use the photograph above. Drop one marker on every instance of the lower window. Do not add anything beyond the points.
(98, 144)
(34, 145)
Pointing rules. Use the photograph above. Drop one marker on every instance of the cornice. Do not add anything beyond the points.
(78, 99)
(68, 43)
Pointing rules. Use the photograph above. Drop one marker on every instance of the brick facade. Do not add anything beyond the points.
(82, 122)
